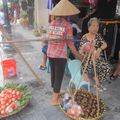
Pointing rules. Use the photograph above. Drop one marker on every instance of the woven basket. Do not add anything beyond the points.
(85, 92)
(20, 108)
(15, 112)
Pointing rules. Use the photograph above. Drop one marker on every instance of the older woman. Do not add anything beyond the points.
(102, 67)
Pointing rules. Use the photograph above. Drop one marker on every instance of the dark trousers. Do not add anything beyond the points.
(57, 72)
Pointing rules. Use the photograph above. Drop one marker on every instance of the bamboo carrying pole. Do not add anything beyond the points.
(20, 54)
(96, 80)
(89, 55)
(41, 40)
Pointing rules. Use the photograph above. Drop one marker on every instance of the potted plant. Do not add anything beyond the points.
(36, 31)
(24, 19)
(43, 30)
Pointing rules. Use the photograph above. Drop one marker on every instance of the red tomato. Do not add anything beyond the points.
(18, 97)
(13, 96)
(2, 112)
(12, 105)
(7, 104)
(13, 92)
(6, 99)
(3, 107)
(6, 90)
(10, 101)
(13, 99)
(10, 91)
(1, 99)
(3, 102)
(2, 92)
(17, 93)
(21, 93)
(1, 95)
(10, 96)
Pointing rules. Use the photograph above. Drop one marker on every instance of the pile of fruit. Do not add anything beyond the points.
(88, 103)
(12, 98)
(7, 100)
(83, 105)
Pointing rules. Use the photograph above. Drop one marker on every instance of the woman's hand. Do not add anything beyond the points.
(80, 57)
(97, 53)
(72, 47)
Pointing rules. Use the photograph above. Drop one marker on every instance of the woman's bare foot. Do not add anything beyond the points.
(55, 99)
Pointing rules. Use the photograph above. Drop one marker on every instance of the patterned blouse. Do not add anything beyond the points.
(103, 69)
(98, 44)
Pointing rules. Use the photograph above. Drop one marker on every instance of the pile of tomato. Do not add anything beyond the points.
(7, 100)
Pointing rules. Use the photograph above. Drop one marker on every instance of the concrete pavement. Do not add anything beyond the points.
(39, 107)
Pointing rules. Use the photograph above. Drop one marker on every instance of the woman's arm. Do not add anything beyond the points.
(103, 46)
(71, 44)
(73, 49)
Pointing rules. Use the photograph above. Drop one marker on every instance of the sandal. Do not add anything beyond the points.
(113, 77)
(117, 109)
(42, 67)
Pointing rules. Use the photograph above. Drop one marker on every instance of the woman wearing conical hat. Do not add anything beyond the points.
(60, 28)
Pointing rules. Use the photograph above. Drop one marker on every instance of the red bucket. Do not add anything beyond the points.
(9, 68)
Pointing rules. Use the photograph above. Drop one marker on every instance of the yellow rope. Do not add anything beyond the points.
(89, 56)
(94, 67)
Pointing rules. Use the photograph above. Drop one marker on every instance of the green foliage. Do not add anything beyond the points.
(24, 14)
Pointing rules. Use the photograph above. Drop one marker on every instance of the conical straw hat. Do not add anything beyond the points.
(64, 8)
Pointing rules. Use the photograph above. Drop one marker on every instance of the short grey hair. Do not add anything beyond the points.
(92, 20)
